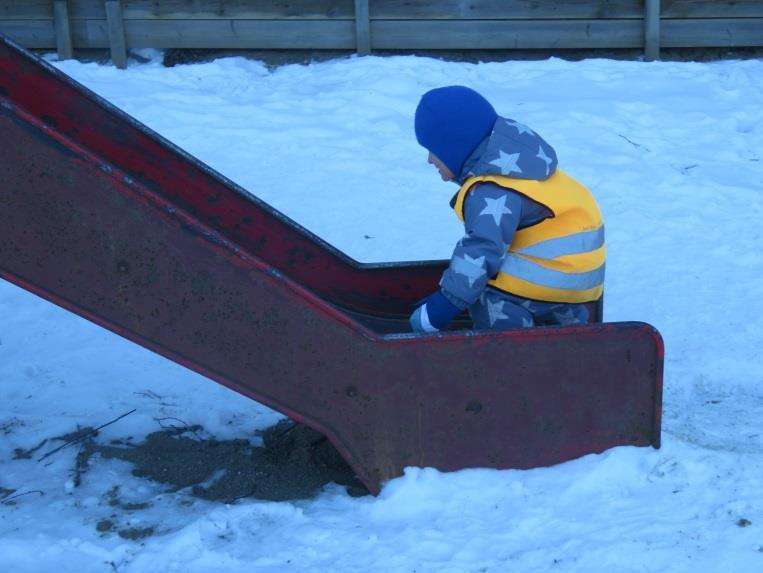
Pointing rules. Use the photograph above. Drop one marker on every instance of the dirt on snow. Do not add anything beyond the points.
(295, 463)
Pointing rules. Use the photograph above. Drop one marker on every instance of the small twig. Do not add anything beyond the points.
(291, 426)
(5, 492)
(86, 435)
(178, 430)
(235, 499)
(689, 168)
(155, 396)
(7, 500)
(82, 461)
(21, 454)
(149, 394)
(633, 143)
(160, 420)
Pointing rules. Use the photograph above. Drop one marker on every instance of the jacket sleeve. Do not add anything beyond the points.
(491, 217)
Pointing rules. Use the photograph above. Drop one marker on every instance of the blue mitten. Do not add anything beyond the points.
(434, 314)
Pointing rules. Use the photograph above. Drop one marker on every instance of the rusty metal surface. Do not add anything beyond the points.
(84, 233)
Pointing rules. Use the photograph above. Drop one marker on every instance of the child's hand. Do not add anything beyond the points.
(419, 320)
(435, 313)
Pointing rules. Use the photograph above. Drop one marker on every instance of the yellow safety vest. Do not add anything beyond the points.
(559, 259)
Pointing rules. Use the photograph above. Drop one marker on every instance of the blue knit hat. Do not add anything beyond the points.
(451, 122)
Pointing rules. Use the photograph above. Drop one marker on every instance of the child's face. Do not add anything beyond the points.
(445, 173)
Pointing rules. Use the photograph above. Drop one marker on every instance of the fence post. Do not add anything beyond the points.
(116, 25)
(652, 30)
(63, 30)
(362, 27)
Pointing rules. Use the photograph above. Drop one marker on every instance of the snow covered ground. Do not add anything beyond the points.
(673, 152)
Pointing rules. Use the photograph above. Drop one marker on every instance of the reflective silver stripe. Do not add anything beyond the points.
(536, 274)
(570, 245)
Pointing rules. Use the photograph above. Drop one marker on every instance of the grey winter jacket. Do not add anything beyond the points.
(492, 215)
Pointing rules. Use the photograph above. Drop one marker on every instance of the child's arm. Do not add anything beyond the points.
(491, 217)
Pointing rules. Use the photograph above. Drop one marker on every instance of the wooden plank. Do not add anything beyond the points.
(30, 9)
(91, 34)
(223, 9)
(708, 33)
(379, 9)
(505, 34)
(31, 34)
(424, 9)
(242, 34)
(558, 9)
(63, 30)
(386, 9)
(712, 9)
(504, 10)
(186, 9)
(362, 27)
(652, 30)
(220, 34)
(209, 34)
(116, 27)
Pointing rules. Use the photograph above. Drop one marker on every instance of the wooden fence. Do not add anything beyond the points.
(365, 25)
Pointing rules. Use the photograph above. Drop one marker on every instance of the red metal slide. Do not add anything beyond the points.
(103, 217)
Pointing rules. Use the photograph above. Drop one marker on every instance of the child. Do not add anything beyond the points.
(533, 251)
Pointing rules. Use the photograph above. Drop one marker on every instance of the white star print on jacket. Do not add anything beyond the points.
(492, 215)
